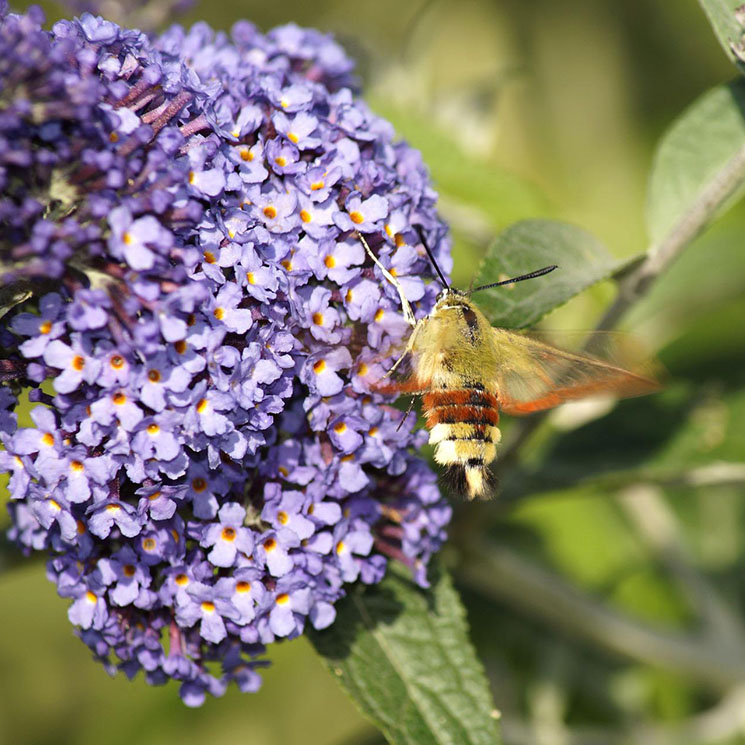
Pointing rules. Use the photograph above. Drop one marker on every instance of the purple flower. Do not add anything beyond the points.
(210, 606)
(228, 537)
(365, 215)
(125, 577)
(41, 328)
(137, 241)
(208, 466)
(75, 362)
(321, 371)
(88, 610)
(322, 318)
(274, 551)
(105, 516)
(274, 208)
(227, 312)
(291, 604)
(299, 130)
(284, 158)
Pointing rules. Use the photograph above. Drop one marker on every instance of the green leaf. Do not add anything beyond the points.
(529, 245)
(721, 15)
(693, 153)
(404, 656)
(12, 295)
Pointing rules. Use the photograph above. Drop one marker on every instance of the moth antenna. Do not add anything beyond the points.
(420, 233)
(405, 305)
(532, 275)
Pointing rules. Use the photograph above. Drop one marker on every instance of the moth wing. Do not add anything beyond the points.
(533, 375)
(406, 375)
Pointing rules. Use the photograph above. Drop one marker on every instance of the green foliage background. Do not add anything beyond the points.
(522, 110)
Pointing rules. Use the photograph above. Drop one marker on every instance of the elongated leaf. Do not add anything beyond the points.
(721, 15)
(529, 245)
(696, 150)
(12, 295)
(404, 656)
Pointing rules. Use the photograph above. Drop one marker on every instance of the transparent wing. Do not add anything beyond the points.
(396, 371)
(533, 375)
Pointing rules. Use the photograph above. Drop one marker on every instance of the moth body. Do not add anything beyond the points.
(461, 406)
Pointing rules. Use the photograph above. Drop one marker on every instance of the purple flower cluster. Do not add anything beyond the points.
(207, 464)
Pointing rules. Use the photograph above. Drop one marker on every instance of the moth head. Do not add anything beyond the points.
(450, 298)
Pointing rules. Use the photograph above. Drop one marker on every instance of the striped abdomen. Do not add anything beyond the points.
(463, 424)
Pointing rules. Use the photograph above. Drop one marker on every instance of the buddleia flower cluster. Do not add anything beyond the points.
(193, 324)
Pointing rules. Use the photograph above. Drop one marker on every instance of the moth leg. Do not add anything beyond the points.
(409, 347)
(405, 305)
(406, 415)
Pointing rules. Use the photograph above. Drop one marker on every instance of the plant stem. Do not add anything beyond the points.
(501, 574)
(660, 256)
(660, 529)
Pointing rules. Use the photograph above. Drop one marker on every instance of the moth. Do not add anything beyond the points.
(466, 372)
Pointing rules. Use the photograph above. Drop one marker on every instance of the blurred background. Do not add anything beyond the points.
(605, 587)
